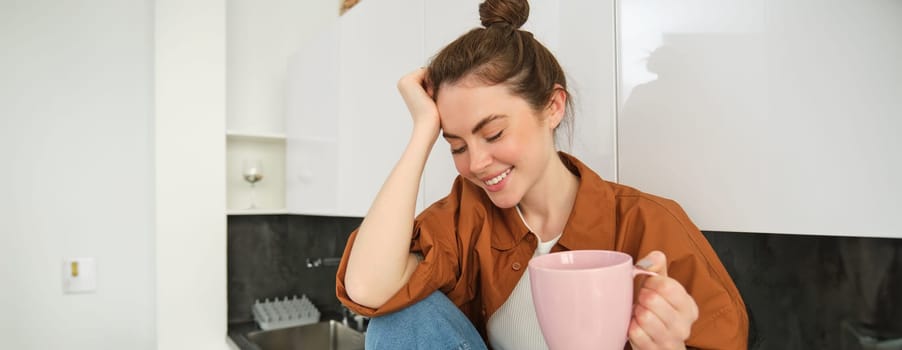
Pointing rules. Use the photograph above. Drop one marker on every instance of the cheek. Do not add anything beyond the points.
(462, 164)
(509, 151)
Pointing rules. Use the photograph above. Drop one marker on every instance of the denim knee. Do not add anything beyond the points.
(432, 323)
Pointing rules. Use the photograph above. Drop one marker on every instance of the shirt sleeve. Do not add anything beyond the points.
(434, 239)
(661, 224)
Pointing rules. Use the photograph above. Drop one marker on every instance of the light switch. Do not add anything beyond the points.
(79, 275)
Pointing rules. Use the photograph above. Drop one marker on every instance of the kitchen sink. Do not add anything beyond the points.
(327, 335)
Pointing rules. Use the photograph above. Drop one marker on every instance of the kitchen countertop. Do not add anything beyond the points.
(237, 331)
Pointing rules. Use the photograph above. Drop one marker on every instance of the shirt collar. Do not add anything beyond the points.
(516, 229)
(592, 220)
(592, 223)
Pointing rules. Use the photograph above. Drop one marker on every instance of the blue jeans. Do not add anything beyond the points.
(433, 323)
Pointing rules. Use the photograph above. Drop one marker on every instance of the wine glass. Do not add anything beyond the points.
(253, 173)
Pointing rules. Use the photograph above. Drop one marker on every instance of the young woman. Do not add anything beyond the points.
(454, 276)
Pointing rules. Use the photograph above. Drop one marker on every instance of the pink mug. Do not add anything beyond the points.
(583, 298)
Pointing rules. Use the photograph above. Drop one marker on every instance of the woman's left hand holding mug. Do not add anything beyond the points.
(663, 312)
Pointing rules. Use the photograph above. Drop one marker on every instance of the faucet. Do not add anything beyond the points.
(317, 262)
(360, 322)
(314, 263)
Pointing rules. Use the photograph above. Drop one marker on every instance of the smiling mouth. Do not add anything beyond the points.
(495, 180)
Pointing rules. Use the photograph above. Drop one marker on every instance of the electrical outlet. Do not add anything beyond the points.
(79, 275)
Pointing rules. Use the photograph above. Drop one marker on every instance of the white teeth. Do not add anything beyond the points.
(498, 178)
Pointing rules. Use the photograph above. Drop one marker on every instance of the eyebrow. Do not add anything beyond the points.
(482, 123)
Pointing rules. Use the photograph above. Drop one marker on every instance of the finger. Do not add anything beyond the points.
(426, 83)
(657, 305)
(430, 89)
(651, 324)
(673, 293)
(420, 73)
(638, 338)
(677, 325)
(414, 77)
(412, 89)
(655, 262)
(423, 78)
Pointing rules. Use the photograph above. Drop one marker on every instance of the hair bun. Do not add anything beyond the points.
(510, 12)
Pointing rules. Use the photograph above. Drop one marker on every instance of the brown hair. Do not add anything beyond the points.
(501, 53)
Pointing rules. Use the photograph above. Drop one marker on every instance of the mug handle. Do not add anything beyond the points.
(638, 271)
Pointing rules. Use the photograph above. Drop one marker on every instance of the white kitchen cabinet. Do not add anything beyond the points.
(444, 22)
(266, 196)
(312, 127)
(346, 124)
(379, 42)
(261, 36)
(770, 116)
(589, 62)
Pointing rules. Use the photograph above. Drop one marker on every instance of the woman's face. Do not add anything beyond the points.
(498, 141)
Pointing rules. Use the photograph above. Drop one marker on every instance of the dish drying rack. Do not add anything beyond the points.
(285, 313)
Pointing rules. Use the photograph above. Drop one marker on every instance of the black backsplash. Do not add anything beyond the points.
(267, 258)
(799, 289)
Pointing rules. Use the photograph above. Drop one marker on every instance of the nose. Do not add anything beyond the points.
(479, 160)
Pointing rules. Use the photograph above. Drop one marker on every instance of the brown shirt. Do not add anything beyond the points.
(475, 253)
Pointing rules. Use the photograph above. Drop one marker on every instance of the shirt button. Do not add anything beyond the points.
(516, 266)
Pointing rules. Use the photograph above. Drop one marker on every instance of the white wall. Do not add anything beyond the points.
(769, 116)
(76, 148)
(190, 102)
(112, 120)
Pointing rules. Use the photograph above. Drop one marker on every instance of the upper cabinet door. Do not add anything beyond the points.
(445, 21)
(347, 124)
(380, 41)
(778, 116)
(585, 48)
(312, 127)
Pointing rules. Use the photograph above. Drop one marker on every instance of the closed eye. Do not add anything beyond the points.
(492, 138)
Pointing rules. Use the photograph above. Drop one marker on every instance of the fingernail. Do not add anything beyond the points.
(645, 263)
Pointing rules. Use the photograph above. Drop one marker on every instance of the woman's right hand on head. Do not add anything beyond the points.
(417, 95)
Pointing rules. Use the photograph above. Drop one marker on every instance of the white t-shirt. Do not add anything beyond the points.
(514, 325)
